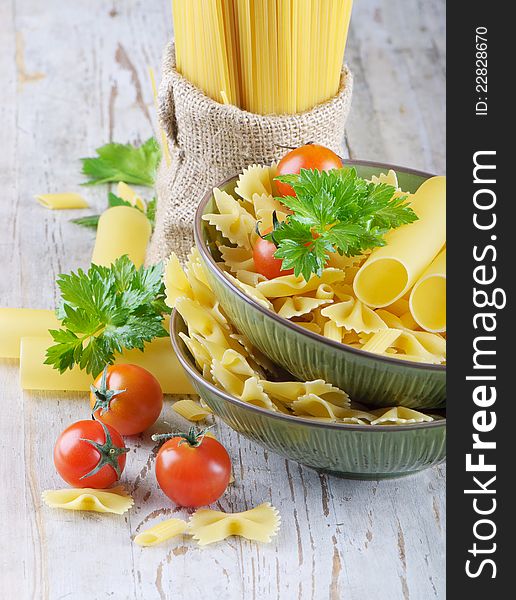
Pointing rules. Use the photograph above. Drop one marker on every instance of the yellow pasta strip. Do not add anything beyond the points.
(121, 230)
(161, 532)
(164, 141)
(191, 410)
(16, 323)
(265, 56)
(115, 500)
(159, 358)
(61, 201)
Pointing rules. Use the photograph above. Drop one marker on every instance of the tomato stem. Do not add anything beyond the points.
(103, 395)
(109, 454)
(193, 438)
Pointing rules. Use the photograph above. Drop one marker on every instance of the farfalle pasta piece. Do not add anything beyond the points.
(265, 206)
(257, 356)
(256, 179)
(252, 292)
(233, 221)
(237, 259)
(259, 524)
(115, 500)
(176, 282)
(250, 278)
(344, 262)
(314, 405)
(289, 391)
(237, 364)
(248, 389)
(191, 410)
(296, 306)
(399, 415)
(161, 532)
(290, 285)
(429, 347)
(309, 325)
(197, 349)
(354, 315)
(200, 320)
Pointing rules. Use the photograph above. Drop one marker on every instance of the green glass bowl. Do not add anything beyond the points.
(353, 451)
(368, 378)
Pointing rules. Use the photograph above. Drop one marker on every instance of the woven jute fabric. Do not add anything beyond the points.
(210, 142)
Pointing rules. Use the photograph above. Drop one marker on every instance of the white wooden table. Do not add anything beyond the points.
(73, 75)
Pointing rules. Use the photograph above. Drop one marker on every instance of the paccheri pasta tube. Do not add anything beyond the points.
(61, 201)
(428, 297)
(392, 270)
(159, 358)
(16, 323)
(121, 230)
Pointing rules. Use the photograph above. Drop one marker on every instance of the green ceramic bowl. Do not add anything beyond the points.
(368, 378)
(354, 451)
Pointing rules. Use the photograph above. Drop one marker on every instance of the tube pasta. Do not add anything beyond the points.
(121, 230)
(260, 524)
(161, 532)
(159, 358)
(428, 297)
(115, 500)
(191, 410)
(390, 271)
(16, 323)
(237, 259)
(61, 201)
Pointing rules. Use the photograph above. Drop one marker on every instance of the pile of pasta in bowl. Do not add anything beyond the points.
(388, 300)
(226, 359)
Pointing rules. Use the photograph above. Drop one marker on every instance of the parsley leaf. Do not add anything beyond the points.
(105, 310)
(334, 211)
(123, 162)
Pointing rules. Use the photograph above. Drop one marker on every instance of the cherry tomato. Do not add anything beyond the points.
(193, 470)
(310, 156)
(127, 397)
(90, 454)
(264, 261)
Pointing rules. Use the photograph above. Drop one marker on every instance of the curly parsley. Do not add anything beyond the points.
(334, 211)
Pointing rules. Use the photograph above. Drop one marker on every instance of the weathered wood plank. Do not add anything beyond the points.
(73, 77)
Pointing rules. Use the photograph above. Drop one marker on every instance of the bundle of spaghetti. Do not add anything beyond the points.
(264, 56)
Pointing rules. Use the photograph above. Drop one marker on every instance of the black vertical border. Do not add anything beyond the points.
(467, 134)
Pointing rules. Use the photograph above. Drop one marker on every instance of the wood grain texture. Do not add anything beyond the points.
(73, 75)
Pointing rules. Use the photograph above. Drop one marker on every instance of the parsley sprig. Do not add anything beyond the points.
(334, 211)
(105, 310)
(123, 162)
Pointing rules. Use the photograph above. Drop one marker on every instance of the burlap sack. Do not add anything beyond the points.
(210, 142)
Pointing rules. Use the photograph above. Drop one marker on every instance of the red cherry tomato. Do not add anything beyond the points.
(127, 397)
(90, 454)
(310, 156)
(193, 470)
(264, 261)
